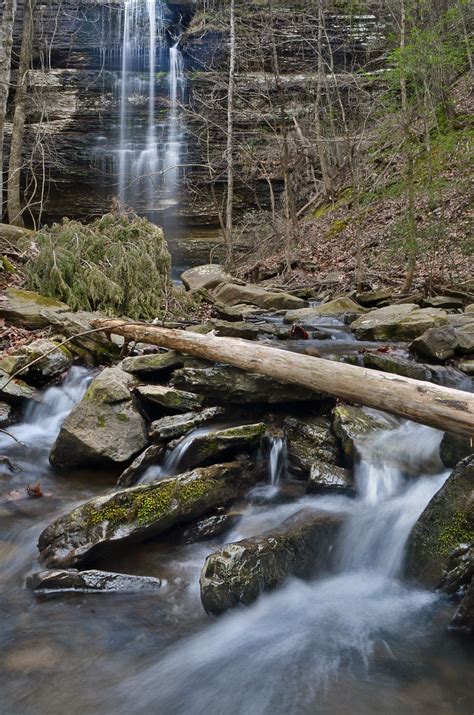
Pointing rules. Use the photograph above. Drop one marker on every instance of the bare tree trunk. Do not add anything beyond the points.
(230, 139)
(18, 130)
(6, 42)
(441, 407)
(325, 173)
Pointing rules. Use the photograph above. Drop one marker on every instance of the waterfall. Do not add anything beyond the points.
(277, 462)
(143, 167)
(307, 640)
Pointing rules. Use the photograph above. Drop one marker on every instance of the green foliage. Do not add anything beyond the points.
(118, 264)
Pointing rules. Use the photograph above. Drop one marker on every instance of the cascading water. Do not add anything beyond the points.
(143, 166)
(294, 649)
(277, 462)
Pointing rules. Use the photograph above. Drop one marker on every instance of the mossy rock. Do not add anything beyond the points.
(15, 391)
(139, 513)
(169, 399)
(447, 521)
(25, 309)
(176, 426)
(49, 360)
(150, 365)
(309, 439)
(396, 366)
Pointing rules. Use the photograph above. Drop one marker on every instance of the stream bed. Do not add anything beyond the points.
(358, 640)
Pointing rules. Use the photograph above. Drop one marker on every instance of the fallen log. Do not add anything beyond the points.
(440, 407)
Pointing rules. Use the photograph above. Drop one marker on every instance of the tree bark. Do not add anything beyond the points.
(6, 42)
(440, 407)
(18, 129)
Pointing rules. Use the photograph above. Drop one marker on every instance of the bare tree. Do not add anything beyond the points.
(6, 42)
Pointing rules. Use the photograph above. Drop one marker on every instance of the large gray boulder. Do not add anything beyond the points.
(239, 572)
(72, 580)
(234, 294)
(139, 513)
(228, 385)
(39, 361)
(337, 308)
(26, 309)
(436, 344)
(105, 428)
(309, 439)
(447, 521)
(398, 322)
(208, 276)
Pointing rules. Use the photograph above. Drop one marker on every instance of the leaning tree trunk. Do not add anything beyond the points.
(441, 407)
(18, 129)
(6, 42)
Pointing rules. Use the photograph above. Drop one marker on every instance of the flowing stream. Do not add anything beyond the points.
(358, 640)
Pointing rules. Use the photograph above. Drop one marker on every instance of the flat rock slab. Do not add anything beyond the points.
(169, 398)
(142, 512)
(329, 478)
(337, 308)
(398, 322)
(176, 426)
(207, 276)
(397, 366)
(239, 572)
(72, 580)
(156, 364)
(229, 385)
(234, 294)
(24, 308)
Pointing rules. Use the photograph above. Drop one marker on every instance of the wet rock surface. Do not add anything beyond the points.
(141, 512)
(64, 580)
(329, 478)
(447, 521)
(398, 322)
(176, 426)
(105, 428)
(152, 365)
(150, 457)
(170, 399)
(226, 384)
(353, 426)
(240, 572)
(309, 439)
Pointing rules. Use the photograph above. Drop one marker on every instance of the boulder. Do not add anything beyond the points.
(234, 294)
(447, 521)
(176, 426)
(396, 365)
(239, 572)
(15, 391)
(372, 298)
(52, 360)
(469, 308)
(398, 322)
(453, 448)
(61, 580)
(325, 477)
(208, 276)
(209, 528)
(104, 429)
(139, 513)
(25, 308)
(436, 344)
(309, 439)
(152, 365)
(213, 445)
(337, 308)
(467, 367)
(152, 456)
(169, 399)
(443, 301)
(5, 414)
(229, 385)
(354, 426)
(240, 329)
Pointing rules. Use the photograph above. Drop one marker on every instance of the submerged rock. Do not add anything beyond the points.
(105, 428)
(309, 439)
(337, 308)
(90, 582)
(398, 322)
(239, 572)
(141, 512)
(353, 426)
(169, 399)
(447, 521)
(25, 308)
(176, 426)
(208, 276)
(324, 478)
(228, 385)
(234, 294)
(149, 365)
(52, 360)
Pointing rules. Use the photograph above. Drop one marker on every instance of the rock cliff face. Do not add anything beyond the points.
(75, 104)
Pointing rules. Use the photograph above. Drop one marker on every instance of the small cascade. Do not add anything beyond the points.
(277, 463)
(174, 457)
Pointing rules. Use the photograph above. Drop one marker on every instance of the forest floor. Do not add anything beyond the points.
(326, 248)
